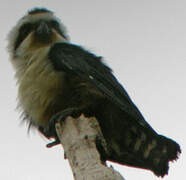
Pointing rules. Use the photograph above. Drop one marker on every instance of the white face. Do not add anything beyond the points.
(34, 31)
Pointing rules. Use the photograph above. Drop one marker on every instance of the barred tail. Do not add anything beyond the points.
(159, 153)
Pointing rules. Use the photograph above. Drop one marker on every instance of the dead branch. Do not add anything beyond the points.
(78, 137)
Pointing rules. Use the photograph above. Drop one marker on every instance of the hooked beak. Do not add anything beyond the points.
(43, 32)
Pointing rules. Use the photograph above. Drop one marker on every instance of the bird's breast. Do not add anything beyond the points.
(39, 88)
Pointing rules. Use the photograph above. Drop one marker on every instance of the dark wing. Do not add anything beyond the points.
(139, 147)
(76, 60)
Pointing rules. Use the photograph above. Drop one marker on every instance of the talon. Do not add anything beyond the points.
(58, 117)
(52, 144)
(50, 130)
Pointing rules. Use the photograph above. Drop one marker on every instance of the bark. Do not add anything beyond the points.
(78, 138)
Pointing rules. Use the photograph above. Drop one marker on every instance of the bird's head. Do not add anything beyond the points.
(38, 28)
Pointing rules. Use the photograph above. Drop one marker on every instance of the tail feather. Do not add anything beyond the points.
(132, 144)
(145, 149)
(165, 151)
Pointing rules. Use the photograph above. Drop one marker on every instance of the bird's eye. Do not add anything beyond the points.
(54, 23)
(56, 26)
(24, 30)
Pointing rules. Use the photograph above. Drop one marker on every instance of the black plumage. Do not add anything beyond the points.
(126, 132)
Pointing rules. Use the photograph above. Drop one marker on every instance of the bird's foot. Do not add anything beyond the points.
(61, 116)
(53, 143)
(58, 118)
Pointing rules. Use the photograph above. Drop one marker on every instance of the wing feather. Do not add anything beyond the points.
(74, 59)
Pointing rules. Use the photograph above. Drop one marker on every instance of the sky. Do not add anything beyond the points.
(145, 44)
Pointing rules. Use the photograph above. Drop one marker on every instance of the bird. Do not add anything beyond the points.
(58, 78)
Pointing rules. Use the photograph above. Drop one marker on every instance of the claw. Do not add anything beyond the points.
(54, 143)
(58, 117)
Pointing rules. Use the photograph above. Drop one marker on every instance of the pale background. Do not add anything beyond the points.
(144, 41)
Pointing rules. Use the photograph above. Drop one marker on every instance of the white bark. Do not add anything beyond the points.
(77, 137)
